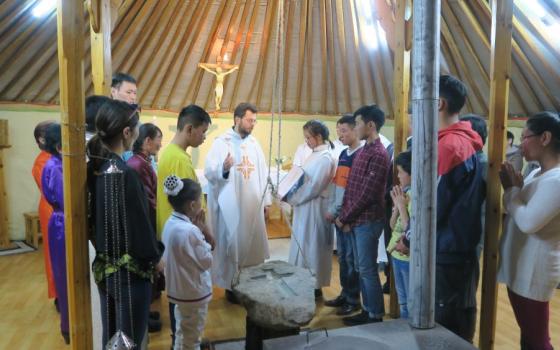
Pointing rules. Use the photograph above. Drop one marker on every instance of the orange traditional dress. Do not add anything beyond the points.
(45, 212)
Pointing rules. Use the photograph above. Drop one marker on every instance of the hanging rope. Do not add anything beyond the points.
(280, 87)
(277, 96)
(277, 101)
(278, 51)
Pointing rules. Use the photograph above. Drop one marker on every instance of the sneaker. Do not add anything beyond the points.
(347, 309)
(337, 302)
(154, 326)
(359, 319)
(154, 315)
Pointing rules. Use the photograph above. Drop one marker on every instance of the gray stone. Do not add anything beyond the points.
(388, 335)
(276, 294)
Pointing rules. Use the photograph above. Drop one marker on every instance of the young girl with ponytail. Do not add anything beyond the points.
(312, 241)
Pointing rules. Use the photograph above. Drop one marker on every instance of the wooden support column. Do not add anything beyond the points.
(401, 79)
(425, 95)
(70, 24)
(401, 84)
(100, 34)
(500, 67)
(4, 234)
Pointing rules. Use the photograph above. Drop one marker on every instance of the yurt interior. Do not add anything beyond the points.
(366, 195)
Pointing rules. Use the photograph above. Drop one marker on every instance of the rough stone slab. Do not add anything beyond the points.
(276, 294)
(388, 335)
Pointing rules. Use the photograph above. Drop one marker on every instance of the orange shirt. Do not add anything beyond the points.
(45, 212)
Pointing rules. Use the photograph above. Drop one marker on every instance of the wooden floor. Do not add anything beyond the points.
(29, 321)
(276, 228)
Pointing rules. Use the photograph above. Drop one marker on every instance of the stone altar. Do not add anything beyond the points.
(279, 298)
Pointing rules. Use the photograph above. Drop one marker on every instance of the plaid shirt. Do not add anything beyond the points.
(364, 199)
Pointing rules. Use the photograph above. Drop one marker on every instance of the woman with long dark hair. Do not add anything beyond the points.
(127, 250)
(530, 245)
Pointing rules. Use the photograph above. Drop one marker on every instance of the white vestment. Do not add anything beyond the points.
(312, 236)
(236, 205)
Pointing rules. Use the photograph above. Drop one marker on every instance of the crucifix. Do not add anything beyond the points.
(220, 70)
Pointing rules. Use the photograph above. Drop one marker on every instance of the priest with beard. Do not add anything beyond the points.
(238, 199)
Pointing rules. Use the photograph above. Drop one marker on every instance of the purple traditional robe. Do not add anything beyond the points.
(52, 186)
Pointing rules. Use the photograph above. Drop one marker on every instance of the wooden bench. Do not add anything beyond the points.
(32, 229)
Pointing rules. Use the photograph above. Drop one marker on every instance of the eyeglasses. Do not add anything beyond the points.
(525, 137)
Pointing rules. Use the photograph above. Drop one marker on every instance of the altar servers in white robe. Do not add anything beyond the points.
(237, 197)
(312, 241)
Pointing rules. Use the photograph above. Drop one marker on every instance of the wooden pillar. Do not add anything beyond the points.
(500, 67)
(70, 24)
(100, 35)
(425, 94)
(401, 84)
(4, 143)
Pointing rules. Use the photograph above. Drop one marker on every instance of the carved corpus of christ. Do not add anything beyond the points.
(220, 70)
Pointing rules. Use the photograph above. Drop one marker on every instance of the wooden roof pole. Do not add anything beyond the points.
(454, 66)
(196, 21)
(101, 71)
(246, 46)
(197, 78)
(500, 67)
(310, 55)
(382, 50)
(264, 54)
(301, 53)
(331, 53)
(223, 51)
(70, 25)
(368, 60)
(290, 21)
(475, 18)
(343, 49)
(401, 79)
(358, 65)
(401, 85)
(161, 10)
(463, 68)
(425, 94)
(324, 67)
(243, 24)
(481, 9)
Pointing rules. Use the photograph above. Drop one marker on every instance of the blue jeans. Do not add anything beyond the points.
(365, 240)
(348, 272)
(401, 273)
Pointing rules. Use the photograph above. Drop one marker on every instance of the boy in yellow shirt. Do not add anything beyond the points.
(192, 124)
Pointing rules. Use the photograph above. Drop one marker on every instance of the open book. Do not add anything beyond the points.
(290, 183)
